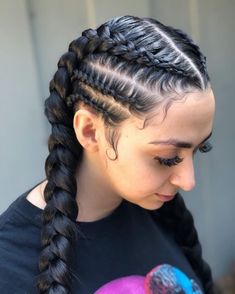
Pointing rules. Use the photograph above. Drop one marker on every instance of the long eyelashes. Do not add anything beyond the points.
(206, 147)
(168, 161)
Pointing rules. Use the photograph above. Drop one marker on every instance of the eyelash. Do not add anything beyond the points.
(168, 161)
(206, 147)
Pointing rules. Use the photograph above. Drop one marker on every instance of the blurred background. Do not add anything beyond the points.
(35, 33)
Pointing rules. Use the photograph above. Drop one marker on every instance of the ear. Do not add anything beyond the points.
(86, 126)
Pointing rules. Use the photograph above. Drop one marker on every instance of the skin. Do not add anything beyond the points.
(135, 175)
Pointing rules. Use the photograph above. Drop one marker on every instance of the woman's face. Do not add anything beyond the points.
(158, 160)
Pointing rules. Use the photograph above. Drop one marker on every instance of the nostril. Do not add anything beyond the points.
(189, 186)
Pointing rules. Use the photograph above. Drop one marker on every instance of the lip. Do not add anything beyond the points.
(165, 198)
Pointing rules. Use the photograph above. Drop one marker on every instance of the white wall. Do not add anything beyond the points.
(34, 34)
(22, 129)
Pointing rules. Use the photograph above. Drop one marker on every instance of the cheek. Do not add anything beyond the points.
(136, 176)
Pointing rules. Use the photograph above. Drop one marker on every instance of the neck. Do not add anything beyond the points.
(95, 199)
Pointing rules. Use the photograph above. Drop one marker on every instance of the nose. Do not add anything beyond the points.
(183, 175)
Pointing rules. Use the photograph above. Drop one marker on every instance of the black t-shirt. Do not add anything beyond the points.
(115, 253)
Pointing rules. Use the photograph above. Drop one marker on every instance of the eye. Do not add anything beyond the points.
(204, 148)
(169, 161)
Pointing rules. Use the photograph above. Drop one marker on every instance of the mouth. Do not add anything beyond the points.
(165, 198)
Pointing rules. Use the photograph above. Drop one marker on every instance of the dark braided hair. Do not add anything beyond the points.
(128, 65)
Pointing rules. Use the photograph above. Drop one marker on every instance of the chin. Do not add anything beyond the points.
(151, 205)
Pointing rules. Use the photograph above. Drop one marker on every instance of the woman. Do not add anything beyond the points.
(130, 105)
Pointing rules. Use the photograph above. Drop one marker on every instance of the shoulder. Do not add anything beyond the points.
(35, 196)
(20, 220)
(19, 246)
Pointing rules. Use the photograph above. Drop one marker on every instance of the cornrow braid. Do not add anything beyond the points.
(178, 219)
(128, 51)
(92, 42)
(103, 88)
(194, 47)
(179, 53)
(87, 100)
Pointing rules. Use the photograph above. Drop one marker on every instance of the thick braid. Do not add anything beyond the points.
(129, 51)
(58, 218)
(178, 219)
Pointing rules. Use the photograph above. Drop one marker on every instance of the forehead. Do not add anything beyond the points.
(189, 118)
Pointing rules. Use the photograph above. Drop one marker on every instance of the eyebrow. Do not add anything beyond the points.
(177, 143)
